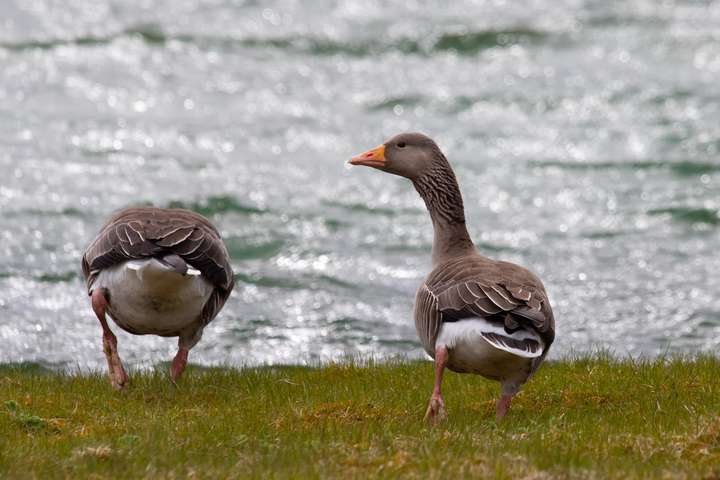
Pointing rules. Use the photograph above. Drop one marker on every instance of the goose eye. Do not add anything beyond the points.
(401, 144)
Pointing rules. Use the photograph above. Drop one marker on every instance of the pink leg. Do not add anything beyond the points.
(178, 364)
(118, 377)
(436, 408)
(503, 405)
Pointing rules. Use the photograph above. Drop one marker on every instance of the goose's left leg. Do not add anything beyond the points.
(185, 343)
(436, 408)
(179, 363)
(503, 404)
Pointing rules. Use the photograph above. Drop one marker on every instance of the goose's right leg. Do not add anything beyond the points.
(436, 408)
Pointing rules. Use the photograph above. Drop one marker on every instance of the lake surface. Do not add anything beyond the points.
(585, 136)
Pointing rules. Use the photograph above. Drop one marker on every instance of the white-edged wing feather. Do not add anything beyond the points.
(524, 343)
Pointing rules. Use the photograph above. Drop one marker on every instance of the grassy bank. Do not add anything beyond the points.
(583, 418)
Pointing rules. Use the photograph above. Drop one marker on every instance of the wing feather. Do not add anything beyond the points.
(503, 292)
(177, 236)
(487, 306)
(427, 319)
(144, 232)
(465, 294)
(191, 244)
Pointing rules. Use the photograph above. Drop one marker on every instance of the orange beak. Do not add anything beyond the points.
(371, 158)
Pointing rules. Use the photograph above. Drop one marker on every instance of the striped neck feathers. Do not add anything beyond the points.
(439, 189)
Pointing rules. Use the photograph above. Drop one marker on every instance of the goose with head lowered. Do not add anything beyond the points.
(473, 314)
(156, 271)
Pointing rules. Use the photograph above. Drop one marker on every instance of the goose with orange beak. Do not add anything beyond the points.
(473, 314)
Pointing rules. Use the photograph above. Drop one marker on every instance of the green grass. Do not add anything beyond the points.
(583, 418)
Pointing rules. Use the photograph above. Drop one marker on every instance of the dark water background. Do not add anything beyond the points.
(585, 135)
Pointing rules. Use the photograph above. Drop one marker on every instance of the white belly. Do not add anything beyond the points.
(149, 297)
(470, 352)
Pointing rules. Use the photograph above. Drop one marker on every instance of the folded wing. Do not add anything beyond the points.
(500, 292)
(144, 232)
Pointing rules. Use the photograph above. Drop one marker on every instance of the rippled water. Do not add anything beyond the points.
(585, 135)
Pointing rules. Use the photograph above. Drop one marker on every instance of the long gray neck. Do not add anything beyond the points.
(439, 189)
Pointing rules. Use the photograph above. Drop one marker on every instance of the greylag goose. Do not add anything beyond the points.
(156, 271)
(472, 314)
